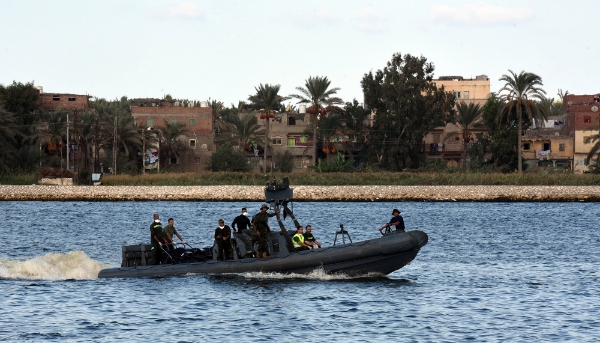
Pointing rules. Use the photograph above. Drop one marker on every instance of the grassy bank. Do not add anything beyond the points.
(332, 179)
(341, 179)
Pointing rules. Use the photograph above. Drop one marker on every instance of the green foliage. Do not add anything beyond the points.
(22, 100)
(340, 164)
(284, 162)
(226, 158)
(408, 105)
(317, 93)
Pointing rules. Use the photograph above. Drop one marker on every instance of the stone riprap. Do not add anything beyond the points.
(302, 193)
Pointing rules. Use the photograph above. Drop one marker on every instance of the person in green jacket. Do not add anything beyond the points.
(261, 224)
(170, 230)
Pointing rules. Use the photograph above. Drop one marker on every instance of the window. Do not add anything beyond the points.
(526, 146)
(192, 142)
(465, 94)
(173, 160)
(56, 98)
(150, 122)
(561, 147)
(587, 119)
(276, 140)
(173, 121)
(192, 122)
(72, 98)
(457, 94)
(291, 120)
(291, 141)
(197, 161)
(297, 164)
(546, 147)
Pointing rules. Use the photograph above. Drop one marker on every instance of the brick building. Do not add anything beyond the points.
(152, 113)
(75, 102)
(582, 114)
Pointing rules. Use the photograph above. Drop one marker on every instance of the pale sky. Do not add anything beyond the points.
(223, 49)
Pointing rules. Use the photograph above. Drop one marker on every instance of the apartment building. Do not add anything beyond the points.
(152, 113)
(583, 120)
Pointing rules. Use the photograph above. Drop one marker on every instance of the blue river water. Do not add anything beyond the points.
(491, 272)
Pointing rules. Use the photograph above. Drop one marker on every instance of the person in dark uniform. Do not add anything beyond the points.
(396, 221)
(310, 239)
(223, 240)
(261, 225)
(243, 233)
(157, 238)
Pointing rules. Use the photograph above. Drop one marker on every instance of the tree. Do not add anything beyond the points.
(407, 106)
(170, 142)
(317, 93)
(8, 132)
(523, 89)
(244, 130)
(266, 99)
(226, 158)
(469, 119)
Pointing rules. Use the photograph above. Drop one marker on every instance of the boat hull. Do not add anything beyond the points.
(382, 255)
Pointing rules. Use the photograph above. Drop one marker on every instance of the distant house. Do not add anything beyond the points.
(74, 102)
(438, 144)
(582, 113)
(152, 113)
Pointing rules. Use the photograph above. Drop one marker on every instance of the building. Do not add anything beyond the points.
(447, 142)
(74, 102)
(582, 116)
(548, 146)
(152, 113)
(286, 133)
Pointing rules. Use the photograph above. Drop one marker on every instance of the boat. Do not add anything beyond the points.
(382, 255)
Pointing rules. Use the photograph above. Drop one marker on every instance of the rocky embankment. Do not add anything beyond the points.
(302, 193)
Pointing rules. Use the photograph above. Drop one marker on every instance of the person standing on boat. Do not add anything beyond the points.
(310, 239)
(243, 233)
(223, 240)
(396, 221)
(298, 240)
(261, 225)
(157, 238)
(170, 230)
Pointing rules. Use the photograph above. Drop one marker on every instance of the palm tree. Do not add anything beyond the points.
(170, 141)
(267, 98)
(244, 129)
(523, 89)
(8, 132)
(469, 119)
(317, 93)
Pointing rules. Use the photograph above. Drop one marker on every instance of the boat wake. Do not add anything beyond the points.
(73, 265)
(317, 274)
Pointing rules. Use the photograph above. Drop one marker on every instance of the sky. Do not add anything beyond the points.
(222, 50)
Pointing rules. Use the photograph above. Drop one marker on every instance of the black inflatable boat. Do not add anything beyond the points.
(383, 255)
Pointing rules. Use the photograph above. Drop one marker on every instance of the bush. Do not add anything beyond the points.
(284, 162)
(226, 158)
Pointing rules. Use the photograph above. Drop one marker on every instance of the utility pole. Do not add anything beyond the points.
(67, 142)
(143, 151)
(114, 148)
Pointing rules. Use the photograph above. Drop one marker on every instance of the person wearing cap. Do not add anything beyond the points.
(396, 221)
(223, 241)
(243, 233)
(261, 224)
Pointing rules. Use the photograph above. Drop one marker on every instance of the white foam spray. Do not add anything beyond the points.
(317, 274)
(73, 265)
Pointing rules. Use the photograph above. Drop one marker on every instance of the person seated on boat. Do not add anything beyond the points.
(243, 225)
(170, 230)
(298, 240)
(310, 239)
(261, 224)
(157, 238)
(396, 221)
(223, 241)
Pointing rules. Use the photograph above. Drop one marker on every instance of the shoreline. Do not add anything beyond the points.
(303, 193)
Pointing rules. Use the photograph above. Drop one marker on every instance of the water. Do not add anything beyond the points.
(492, 272)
